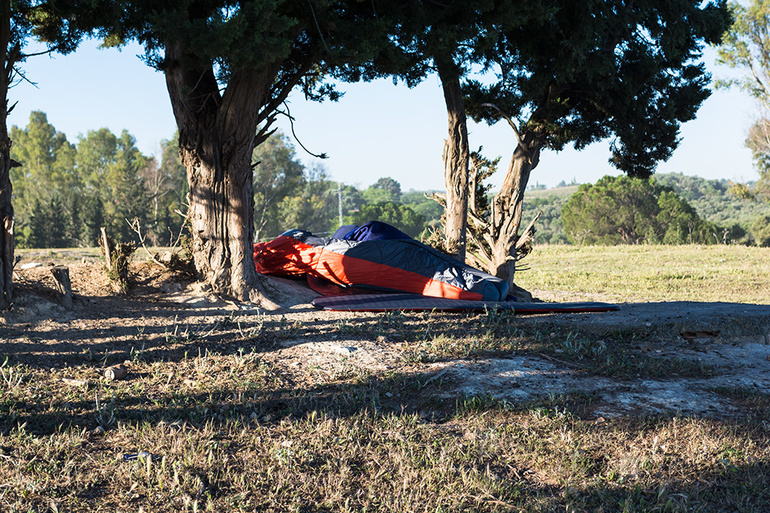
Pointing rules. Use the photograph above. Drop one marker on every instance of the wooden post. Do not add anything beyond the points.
(107, 250)
(61, 276)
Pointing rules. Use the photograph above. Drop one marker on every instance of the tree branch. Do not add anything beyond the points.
(510, 122)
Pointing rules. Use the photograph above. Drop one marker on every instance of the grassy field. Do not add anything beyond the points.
(227, 428)
(652, 273)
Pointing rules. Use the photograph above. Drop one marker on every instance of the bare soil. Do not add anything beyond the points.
(164, 310)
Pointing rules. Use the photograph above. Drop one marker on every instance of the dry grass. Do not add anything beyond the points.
(652, 273)
(227, 428)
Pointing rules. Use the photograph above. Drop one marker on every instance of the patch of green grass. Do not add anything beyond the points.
(651, 273)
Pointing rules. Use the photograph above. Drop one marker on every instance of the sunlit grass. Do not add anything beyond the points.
(651, 273)
(227, 427)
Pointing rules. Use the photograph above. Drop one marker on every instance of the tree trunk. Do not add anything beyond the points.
(507, 206)
(8, 58)
(456, 156)
(216, 139)
(6, 219)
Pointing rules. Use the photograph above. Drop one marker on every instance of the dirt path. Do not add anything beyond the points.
(733, 340)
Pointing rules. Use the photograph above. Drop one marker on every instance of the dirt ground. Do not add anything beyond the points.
(734, 338)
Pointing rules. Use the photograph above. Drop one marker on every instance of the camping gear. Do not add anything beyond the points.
(416, 302)
(376, 261)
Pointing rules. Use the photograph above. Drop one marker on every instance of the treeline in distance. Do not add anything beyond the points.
(64, 193)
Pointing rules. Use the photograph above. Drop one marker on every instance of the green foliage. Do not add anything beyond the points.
(314, 207)
(746, 46)
(47, 170)
(729, 217)
(395, 214)
(578, 73)
(550, 229)
(288, 195)
(760, 231)
(64, 193)
(111, 169)
(714, 201)
(383, 190)
(277, 174)
(624, 210)
(429, 209)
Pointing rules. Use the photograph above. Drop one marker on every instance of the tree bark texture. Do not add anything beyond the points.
(6, 221)
(456, 156)
(8, 57)
(61, 278)
(505, 220)
(216, 139)
(494, 230)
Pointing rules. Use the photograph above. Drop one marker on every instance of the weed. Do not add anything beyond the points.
(105, 414)
(287, 329)
(478, 403)
(12, 376)
(582, 347)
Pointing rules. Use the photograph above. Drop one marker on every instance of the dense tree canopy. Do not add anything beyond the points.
(64, 193)
(626, 210)
(625, 71)
(229, 66)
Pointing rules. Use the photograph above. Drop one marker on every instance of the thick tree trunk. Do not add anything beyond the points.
(505, 222)
(456, 156)
(216, 140)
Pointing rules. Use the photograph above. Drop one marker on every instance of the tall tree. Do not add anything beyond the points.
(449, 38)
(746, 46)
(228, 66)
(628, 71)
(16, 27)
(111, 169)
(47, 170)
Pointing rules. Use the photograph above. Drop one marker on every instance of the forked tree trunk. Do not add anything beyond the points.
(507, 205)
(456, 156)
(216, 140)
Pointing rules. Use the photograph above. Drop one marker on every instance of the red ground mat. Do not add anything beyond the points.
(410, 302)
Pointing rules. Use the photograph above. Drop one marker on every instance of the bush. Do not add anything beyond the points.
(623, 210)
(760, 231)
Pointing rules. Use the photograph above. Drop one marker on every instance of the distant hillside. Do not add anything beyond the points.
(711, 199)
(550, 201)
(556, 191)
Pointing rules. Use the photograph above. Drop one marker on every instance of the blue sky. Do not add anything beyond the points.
(376, 130)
